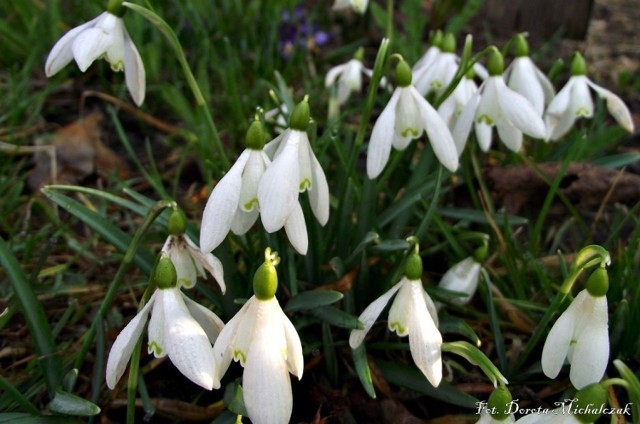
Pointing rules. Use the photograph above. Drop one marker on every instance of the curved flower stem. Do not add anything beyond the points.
(153, 213)
(171, 37)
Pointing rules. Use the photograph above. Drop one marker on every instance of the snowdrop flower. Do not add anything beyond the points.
(452, 107)
(497, 105)
(581, 335)
(349, 76)
(187, 258)
(293, 170)
(407, 116)
(438, 74)
(412, 314)
(574, 101)
(358, 6)
(524, 77)
(179, 328)
(463, 277)
(104, 36)
(233, 203)
(267, 345)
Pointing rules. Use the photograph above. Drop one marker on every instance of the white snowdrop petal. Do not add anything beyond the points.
(483, 134)
(616, 107)
(295, 359)
(370, 314)
(208, 262)
(208, 320)
(408, 122)
(319, 192)
(558, 341)
(187, 343)
(254, 168)
(509, 134)
(62, 52)
(279, 186)
(125, 342)
(519, 111)
(463, 277)
(401, 310)
(333, 74)
(134, 72)
(438, 132)
(591, 351)
(424, 338)
(560, 103)
(523, 80)
(221, 206)
(88, 46)
(296, 230)
(381, 138)
(465, 122)
(581, 103)
(155, 331)
(224, 347)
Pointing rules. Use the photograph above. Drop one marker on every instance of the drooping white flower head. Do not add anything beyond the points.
(524, 77)
(407, 116)
(104, 36)
(497, 105)
(293, 170)
(348, 77)
(451, 108)
(435, 44)
(412, 314)
(190, 262)
(463, 277)
(574, 101)
(277, 116)
(233, 203)
(267, 345)
(581, 336)
(358, 6)
(436, 74)
(179, 328)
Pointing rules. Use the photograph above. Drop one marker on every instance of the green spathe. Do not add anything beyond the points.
(116, 8)
(449, 43)
(521, 46)
(164, 274)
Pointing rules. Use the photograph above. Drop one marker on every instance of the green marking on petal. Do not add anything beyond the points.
(436, 85)
(398, 328)
(484, 118)
(305, 184)
(250, 205)
(573, 342)
(118, 66)
(409, 132)
(156, 349)
(239, 355)
(583, 112)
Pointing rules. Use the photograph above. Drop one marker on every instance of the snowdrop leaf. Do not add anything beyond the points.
(312, 299)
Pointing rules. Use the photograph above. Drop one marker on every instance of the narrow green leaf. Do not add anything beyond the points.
(233, 398)
(112, 234)
(634, 386)
(69, 404)
(10, 391)
(313, 299)
(617, 161)
(36, 318)
(362, 368)
(479, 217)
(337, 317)
(475, 357)
(411, 378)
(20, 418)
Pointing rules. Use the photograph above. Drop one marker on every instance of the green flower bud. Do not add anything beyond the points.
(255, 136)
(359, 54)
(598, 282)
(265, 280)
(300, 116)
(578, 65)
(436, 38)
(499, 403)
(588, 401)
(413, 267)
(164, 274)
(521, 46)
(403, 74)
(448, 43)
(481, 254)
(496, 63)
(176, 224)
(116, 8)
